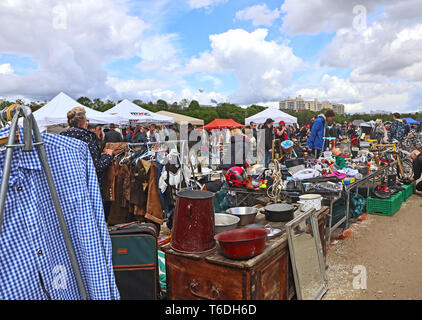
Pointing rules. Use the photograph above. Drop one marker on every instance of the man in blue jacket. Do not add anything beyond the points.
(316, 139)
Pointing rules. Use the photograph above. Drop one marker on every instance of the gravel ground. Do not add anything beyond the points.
(388, 248)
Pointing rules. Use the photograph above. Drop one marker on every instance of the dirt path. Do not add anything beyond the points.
(390, 249)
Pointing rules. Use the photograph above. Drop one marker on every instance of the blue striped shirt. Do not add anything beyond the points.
(34, 264)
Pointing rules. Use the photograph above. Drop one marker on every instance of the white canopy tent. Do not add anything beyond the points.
(273, 113)
(130, 112)
(55, 112)
(368, 124)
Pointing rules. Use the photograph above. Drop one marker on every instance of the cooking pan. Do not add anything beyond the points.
(279, 212)
(246, 214)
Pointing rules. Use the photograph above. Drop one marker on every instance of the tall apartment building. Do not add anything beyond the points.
(380, 112)
(298, 104)
(338, 108)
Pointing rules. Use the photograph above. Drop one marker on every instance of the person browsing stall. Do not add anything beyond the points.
(416, 157)
(281, 132)
(316, 141)
(112, 135)
(152, 134)
(78, 129)
(269, 137)
(397, 129)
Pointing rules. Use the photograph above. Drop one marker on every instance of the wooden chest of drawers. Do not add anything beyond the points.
(212, 276)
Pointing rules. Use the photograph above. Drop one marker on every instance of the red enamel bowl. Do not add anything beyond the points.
(243, 243)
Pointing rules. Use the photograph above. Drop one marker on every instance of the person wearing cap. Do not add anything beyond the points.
(112, 135)
(281, 132)
(269, 137)
(316, 141)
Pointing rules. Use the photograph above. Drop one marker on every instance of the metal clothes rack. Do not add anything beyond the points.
(183, 154)
(30, 127)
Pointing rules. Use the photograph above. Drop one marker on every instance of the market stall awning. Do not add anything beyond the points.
(55, 112)
(368, 124)
(411, 121)
(222, 123)
(357, 122)
(273, 113)
(182, 119)
(130, 112)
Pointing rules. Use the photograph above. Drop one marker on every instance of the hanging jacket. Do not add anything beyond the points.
(397, 130)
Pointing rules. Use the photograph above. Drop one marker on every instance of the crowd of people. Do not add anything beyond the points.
(308, 139)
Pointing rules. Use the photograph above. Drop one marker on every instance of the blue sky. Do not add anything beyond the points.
(194, 27)
(239, 51)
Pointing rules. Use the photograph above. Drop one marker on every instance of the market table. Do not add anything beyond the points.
(210, 275)
(243, 196)
(367, 182)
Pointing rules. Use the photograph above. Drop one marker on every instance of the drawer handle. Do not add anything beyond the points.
(194, 286)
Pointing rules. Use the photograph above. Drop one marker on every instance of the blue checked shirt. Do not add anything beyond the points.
(34, 264)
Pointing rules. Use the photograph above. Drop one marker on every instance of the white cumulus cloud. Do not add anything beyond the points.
(70, 42)
(260, 15)
(6, 68)
(198, 4)
(263, 68)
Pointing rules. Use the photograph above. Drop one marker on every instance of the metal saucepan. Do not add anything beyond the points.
(309, 201)
(279, 212)
(246, 214)
(225, 222)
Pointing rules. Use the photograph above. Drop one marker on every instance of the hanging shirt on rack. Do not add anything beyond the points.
(34, 264)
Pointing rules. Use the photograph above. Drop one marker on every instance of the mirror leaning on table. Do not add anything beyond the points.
(306, 255)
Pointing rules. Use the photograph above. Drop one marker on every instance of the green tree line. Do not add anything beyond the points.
(209, 113)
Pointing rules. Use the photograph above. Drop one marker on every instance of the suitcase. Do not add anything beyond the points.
(135, 260)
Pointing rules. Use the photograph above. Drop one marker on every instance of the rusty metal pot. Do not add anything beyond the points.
(194, 223)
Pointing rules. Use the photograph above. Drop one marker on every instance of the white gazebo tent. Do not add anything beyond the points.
(182, 119)
(130, 112)
(55, 112)
(273, 113)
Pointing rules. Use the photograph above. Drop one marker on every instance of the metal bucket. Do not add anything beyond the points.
(193, 225)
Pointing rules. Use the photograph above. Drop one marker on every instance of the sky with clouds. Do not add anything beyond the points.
(366, 54)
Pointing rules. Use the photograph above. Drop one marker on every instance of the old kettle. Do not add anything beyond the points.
(193, 225)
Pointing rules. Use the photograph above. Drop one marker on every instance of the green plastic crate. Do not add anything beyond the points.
(384, 207)
(403, 196)
(407, 193)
